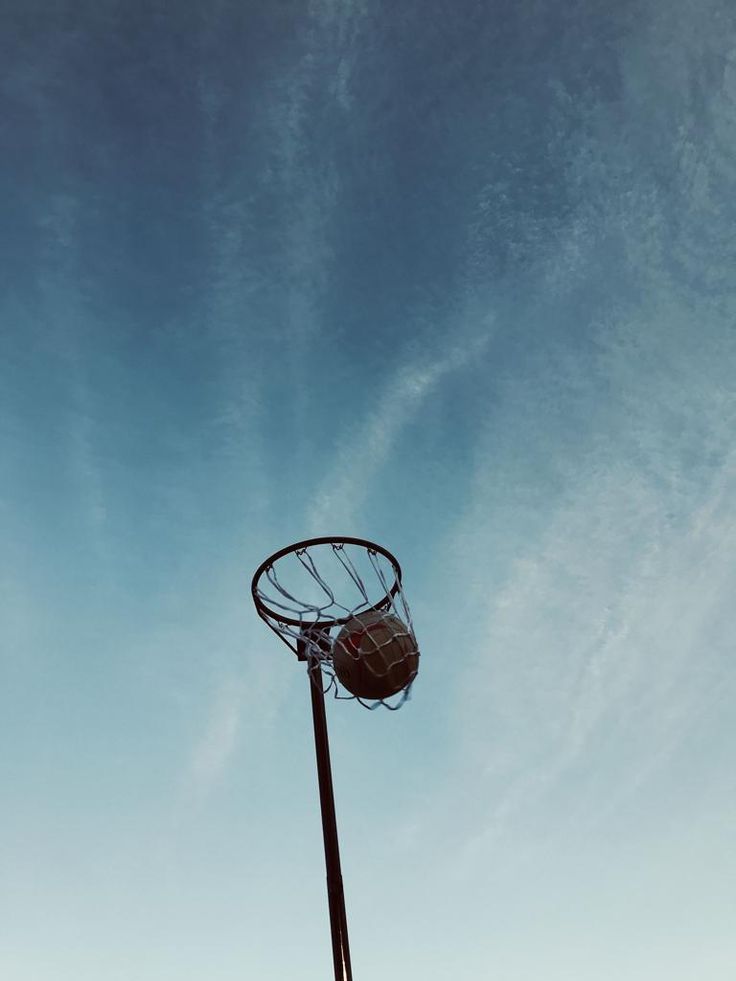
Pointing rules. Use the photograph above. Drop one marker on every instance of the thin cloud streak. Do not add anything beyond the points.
(217, 743)
(369, 446)
(246, 687)
(63, 309)
(243, 705)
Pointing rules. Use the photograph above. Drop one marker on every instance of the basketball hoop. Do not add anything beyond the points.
(303, 592)
(307, 589)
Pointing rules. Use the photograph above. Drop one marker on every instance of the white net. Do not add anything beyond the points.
(340, 606)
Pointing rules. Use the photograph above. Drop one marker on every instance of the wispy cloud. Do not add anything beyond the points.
(218, 740)
(597, 614)
(600, 637)
(64, 328)
(242, 705)
(244, 684)
(369, 445)
(604, 639)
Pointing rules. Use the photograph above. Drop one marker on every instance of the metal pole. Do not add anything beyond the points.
(335, 894)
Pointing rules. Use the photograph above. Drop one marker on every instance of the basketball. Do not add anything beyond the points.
(375, 655)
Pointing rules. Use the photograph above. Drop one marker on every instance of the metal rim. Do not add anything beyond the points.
(266, 612)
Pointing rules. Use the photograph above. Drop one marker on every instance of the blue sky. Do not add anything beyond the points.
(455, 277)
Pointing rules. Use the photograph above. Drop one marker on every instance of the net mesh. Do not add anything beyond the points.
(308, 594)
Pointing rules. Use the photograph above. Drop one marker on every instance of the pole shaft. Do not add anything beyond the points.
(335, 894)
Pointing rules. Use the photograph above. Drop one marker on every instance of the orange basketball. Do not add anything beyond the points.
(375, 655)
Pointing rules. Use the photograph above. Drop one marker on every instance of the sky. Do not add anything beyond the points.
(456, 277)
